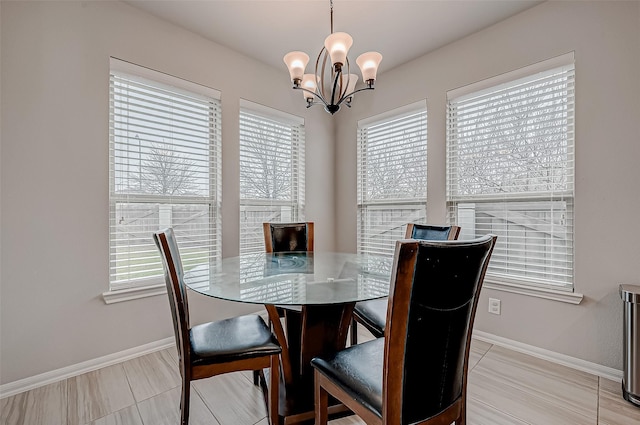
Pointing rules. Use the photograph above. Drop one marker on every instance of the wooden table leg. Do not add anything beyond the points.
(317, 330)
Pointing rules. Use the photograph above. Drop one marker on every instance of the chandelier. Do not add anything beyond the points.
(332, 85)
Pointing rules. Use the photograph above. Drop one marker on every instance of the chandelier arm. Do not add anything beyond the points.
(320, 76)
(346, 86)
(347, 96)
(311, 92)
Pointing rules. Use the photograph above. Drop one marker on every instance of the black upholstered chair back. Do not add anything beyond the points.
(173, 275)
(372, 314)
(430, 232)
(435, 289)
(283, 237)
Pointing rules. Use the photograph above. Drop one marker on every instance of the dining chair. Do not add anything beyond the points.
(373, 314)
(417, 373)
(286, 237)
(282, 237)
(214, 348)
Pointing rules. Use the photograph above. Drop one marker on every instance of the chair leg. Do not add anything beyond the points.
(274, 390)
(184, 402)
(462, 420)
(263, 386)
(256, 374)
(354, 332)
(322, 402)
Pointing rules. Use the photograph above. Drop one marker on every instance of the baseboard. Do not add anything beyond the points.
(552, 356)
(16, 387)
(46, 378)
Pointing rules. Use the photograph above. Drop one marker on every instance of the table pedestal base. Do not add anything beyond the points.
(315, 331)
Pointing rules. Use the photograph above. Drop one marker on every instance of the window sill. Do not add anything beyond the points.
(532, 291)
(128, 294)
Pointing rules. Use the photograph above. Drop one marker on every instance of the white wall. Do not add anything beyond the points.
(54, 167)
(606, 39)
(54, 174)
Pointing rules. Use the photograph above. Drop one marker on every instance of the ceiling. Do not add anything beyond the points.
(400, 30)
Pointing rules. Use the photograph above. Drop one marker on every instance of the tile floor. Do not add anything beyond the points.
(505, 387)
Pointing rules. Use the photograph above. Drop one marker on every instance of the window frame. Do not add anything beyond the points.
(508, 282)
(404, 205)
(296, 196)
(124, 290)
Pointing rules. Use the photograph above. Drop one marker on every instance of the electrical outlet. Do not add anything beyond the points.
(494, 306)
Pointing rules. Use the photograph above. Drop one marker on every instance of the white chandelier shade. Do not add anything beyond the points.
(296, 62)
(338, 45)
(309, 83)
(368, 63)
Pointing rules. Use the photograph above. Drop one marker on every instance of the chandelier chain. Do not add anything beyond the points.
(331, 8)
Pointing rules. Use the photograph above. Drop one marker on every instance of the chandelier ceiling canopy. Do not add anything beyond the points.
(333, 83)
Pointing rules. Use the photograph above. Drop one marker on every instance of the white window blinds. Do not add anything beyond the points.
(510, 171)
(392, 177)
(272, 160)
(164, 169)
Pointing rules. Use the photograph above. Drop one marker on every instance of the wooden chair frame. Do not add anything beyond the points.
(190, 372)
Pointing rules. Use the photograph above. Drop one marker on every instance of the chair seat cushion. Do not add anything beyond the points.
(358, 371)
(373, 315)
(237, 338)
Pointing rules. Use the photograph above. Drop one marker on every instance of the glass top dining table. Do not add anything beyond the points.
(316, 291)
(294, 278)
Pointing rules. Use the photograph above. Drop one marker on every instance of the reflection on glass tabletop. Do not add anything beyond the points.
(294, 278)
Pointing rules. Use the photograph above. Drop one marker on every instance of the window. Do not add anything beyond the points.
(272, 162)
(392, 176)
(510, 171)
(164, 171)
